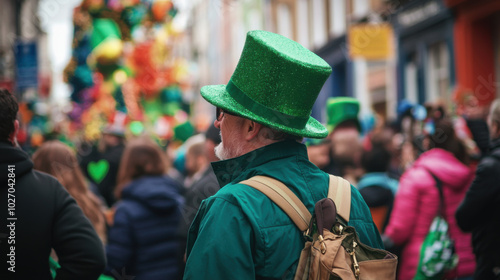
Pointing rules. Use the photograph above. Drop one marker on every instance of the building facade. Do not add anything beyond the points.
(438, 46)
(324, 26)
(426, 67)
(24, 62)
(217, 31)
(477, 47)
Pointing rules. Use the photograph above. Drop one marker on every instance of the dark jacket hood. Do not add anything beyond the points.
(10, 155)
(159, 193)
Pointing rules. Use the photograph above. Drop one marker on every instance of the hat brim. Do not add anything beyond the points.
(219, 97)
(331, 127)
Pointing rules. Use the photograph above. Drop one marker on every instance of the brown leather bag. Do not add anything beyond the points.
(332, 249)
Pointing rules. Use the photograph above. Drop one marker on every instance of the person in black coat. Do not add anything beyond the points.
(104, 158)
(204, 186)
(38, 215)
(480, 210)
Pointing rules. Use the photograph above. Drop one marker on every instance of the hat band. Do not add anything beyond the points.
(272, 115)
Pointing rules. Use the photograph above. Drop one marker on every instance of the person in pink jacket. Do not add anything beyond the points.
(417, 201)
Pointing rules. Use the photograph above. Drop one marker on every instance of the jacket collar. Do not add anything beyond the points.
(13, 156)
(230, 170)
(495, 144)
(5, 143)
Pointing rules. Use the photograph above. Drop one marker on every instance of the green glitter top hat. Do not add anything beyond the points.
(340, 109)
(276, 83)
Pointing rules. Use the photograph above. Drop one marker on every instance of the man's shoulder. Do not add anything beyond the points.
(252, 203)
(490, 163)
(358, 205)
(43, 177)
(36, 179)
(47, 181)
(235, 193)
(41, 186)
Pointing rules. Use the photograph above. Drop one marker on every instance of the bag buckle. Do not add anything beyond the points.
(322, 243)
(354, 260)
(338, 229)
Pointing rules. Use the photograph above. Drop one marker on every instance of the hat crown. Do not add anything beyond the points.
(275, 83)
(340, 109)
(280, 74)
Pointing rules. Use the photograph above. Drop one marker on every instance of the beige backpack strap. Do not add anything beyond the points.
(282, 196)
(340, 192)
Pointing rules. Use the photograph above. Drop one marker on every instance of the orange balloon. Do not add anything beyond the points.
(36, 139)
(160, 9)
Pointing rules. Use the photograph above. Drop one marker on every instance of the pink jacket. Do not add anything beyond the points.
(417, 202)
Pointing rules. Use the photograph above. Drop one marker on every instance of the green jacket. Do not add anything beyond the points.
(240, 234)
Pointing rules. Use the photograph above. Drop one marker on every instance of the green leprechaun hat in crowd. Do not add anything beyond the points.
(341, 109)
(276, 83)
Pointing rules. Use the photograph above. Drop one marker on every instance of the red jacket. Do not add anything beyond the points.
(417, 202)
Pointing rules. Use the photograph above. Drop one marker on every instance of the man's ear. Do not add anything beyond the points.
(13, 135)
(495, 129)
(202, 160)
(252, 129)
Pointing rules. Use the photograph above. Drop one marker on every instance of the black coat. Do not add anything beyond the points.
(112, 157)
(46, 217)
(200, 190)
(479, 213)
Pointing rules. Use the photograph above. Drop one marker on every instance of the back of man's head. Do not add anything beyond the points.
(495, 111)
(377, 159)
(8, 113)
(196, 158)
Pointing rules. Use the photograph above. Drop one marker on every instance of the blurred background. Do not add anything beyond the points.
(79, 66)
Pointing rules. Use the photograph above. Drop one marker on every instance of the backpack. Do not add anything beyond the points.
(332, 249)
(437, 254)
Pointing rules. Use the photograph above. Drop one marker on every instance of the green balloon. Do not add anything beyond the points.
(171, 108)
(104, 28)
(136, 128)
(153, 109)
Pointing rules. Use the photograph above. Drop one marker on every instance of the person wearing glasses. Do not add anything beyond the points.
(263, 113)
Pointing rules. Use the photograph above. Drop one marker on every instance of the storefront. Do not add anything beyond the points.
(477, 46)
(425, 67)
(339, 83)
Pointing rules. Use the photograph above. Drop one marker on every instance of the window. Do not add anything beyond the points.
(284, 23)
(337, 20)
(411, 84)
(438, 73)
(319, 23)
(361, 8)
(302, 23)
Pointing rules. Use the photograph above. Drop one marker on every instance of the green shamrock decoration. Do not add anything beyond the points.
(98, 170)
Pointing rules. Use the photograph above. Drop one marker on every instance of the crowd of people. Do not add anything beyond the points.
(126, 207)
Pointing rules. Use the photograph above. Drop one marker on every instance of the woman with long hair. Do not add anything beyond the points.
(143, 237)
(58, 160)
(417, 201)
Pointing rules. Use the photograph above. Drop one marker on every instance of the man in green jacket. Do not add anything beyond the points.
(263, 113)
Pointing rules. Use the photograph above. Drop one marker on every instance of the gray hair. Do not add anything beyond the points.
(495, 111)
(277, 135)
